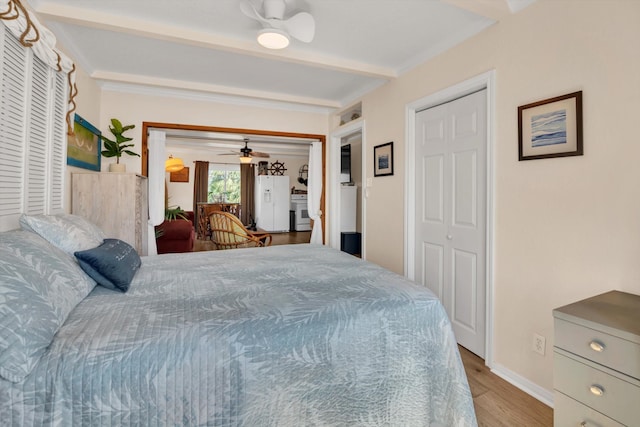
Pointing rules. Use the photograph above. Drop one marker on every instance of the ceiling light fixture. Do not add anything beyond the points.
(245, 159)
(173, 164)
(272, 38)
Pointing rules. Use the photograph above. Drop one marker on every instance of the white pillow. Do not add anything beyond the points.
(39, 286)
(71, 233)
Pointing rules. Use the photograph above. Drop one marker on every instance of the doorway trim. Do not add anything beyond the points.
(356, 126)
(146, 126)
(482, 81)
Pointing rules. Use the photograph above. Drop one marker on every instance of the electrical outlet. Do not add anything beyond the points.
(538, 344)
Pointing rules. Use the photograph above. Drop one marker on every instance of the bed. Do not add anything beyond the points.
(299, 335)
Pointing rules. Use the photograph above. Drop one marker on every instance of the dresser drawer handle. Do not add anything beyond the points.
(596, 346)
(596, 390)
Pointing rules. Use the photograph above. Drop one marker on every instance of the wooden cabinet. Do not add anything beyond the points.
(597, 361)
(116, 202)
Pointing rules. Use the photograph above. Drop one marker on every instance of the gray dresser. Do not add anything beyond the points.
(597, 362)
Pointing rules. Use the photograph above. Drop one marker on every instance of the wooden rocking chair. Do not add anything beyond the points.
(227, 232)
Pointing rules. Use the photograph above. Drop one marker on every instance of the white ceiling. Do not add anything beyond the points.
(209, 45)
(188, 141)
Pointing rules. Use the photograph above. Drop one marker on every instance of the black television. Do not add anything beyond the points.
(345, 164)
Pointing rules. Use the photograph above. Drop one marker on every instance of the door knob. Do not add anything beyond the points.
(449, 237)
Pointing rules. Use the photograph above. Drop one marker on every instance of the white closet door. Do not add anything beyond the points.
(451, 212)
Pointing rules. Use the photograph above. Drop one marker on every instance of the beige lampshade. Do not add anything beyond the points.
(173, 164)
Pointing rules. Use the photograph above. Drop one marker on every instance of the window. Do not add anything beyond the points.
(224, 183)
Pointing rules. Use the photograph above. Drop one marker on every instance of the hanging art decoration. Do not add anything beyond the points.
(277, 168)
(303, 174)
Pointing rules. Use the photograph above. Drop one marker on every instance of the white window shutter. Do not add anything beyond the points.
(59, 148)
(12, 116)
(37, 159)
(33, 102)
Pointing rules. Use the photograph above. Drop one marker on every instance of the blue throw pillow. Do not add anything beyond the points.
(112, 264)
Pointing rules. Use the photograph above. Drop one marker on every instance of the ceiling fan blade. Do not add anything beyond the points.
(258, 154)
(301, 26)
(249, 9)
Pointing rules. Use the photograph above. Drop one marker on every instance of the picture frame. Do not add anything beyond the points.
(551, 128)
(181, 176)
(83, 147)
(383, 159)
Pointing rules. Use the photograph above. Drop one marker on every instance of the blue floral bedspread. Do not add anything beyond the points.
(299, 335)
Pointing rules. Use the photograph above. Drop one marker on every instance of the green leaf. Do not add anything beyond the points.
(118, 147)
(117, 126)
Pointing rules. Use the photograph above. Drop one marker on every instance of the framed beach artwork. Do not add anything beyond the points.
(83, 147)
(383, 159)
(551, 128)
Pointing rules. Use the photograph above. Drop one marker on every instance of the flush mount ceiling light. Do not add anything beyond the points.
(277, 30)
(273, 39)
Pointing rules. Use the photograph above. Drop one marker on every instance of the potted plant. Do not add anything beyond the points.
(172, 214)
(118, 147)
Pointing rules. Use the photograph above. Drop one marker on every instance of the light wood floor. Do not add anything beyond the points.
(278, 239)
(497, 402)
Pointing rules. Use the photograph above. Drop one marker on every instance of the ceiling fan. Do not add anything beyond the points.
(247, 153)
(277, 29)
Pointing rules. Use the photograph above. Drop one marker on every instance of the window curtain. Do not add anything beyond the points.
(247, 189)
(200, 188)
(314, 190)
(32, 34)
(157, 188)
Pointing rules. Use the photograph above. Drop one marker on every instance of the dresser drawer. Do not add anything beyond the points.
(619, 399)
(571, 413)
(615, 353)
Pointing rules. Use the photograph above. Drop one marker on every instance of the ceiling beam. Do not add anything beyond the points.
(210, 88)
(128, 25)
(492, 9)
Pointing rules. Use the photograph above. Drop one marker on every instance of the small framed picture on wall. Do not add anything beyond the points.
(383, 159)
(181, 176)
(550, 128)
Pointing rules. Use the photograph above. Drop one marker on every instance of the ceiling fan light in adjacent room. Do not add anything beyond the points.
(272, 38)
(173, 164)
(245, 159)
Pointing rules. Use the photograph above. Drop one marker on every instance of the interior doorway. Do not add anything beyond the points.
(348, 189)
(261, 140)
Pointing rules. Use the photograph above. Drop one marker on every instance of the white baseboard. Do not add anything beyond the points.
(543, 395)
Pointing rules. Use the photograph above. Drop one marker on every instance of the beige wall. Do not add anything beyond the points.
(136, 108)
(565, 228)
(181, 193)
(88, 107)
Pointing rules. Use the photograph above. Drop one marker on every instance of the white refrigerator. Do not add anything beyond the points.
(272, 202)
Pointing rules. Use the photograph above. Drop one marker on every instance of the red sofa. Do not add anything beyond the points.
(176, 235)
